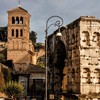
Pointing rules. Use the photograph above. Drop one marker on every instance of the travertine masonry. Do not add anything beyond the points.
(84, 55)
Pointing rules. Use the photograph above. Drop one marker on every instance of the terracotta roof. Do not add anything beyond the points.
(18, 8)
(35, 69)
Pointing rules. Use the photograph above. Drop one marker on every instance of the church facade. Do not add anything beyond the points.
(21, 51)
(18, 45)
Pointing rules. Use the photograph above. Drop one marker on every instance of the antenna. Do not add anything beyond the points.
(19, 3)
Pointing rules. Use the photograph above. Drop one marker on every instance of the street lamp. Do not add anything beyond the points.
(57, 23)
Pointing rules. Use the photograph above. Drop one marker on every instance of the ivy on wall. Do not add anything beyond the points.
(1, 80)
(6, 74)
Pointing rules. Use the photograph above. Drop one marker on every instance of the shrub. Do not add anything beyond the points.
(13, 89)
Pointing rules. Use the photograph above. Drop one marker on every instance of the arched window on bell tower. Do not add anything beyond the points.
(21, 32)
(13, 20)
(17, 20)
(21, 20)
(12, 32)
(16, 32)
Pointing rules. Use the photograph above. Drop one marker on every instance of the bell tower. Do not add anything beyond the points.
(18, 37)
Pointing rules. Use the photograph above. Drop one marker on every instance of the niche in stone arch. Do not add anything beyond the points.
(85, 38)
(95, 39)
(97, 75)
(87, 75)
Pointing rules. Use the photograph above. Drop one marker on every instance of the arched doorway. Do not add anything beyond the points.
(58, 64)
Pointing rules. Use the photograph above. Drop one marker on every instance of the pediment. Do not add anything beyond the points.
(18, 9)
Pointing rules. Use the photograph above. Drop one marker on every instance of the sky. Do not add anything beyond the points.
(41, 10)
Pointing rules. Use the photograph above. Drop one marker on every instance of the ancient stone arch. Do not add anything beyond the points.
(59, 54)
(95, 39)
(73, 38)
(86, 38)
(73, 75)
(97, 76)
(87, 75)
(77, 74)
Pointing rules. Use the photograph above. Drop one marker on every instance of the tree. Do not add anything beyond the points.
(13, 89)
(1, 80)
(41, 61)
(33, 37)
(6, 72)
(3, 54)
(3, 33)
(39, 45)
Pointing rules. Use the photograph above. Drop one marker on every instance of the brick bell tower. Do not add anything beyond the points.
(18, 38)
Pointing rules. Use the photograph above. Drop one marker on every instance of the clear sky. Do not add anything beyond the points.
(41, 10)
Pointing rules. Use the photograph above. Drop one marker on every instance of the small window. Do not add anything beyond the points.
(21, 20)
(87, 72)
(12, 32)
(73, 38)
(13, 20)
(21, 32)
(94, 39)
(86, 37)
(16, 33)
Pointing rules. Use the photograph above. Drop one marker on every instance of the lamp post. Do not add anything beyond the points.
(57, 23)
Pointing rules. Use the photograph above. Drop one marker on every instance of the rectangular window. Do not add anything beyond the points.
(16, 33)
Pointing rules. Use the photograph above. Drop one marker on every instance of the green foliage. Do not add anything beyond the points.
(3, 54)
(13, 89)
(3, 33)
(1, 80)
(38, 46)
(41, 64)
(6, 74)
(33, 37)
(41, 61)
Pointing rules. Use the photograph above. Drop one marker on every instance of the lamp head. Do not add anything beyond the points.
(58, 34)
